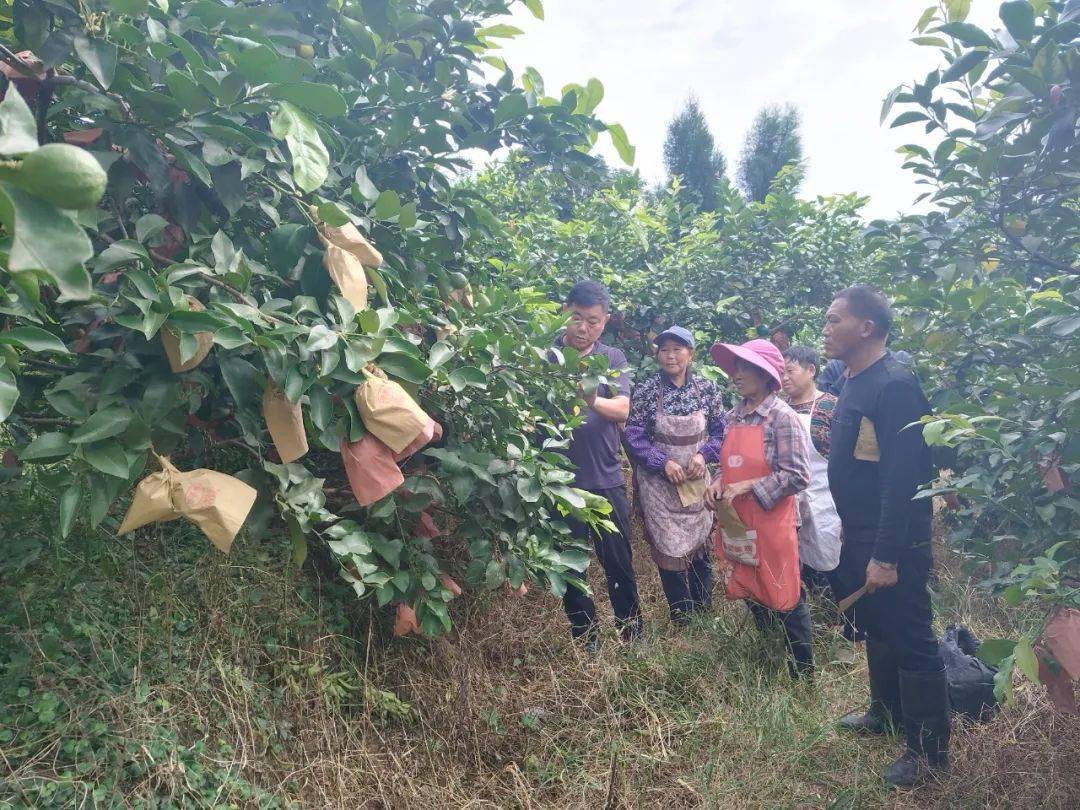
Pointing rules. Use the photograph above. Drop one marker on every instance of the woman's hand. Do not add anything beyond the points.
(733, 491)
(674, 472)
(712, 492)
(696, 468)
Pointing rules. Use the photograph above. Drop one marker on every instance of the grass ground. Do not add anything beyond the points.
(156, 672)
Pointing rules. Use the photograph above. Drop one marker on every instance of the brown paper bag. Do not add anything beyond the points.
(405, 621)
(349, 238)
(370, 468)
(348, 274)
(432, 432)
(215, 502)
(389, 412)
(285, 421)
(692, 491)
(171, 342)
(866, 446)
(738, 542)
(463, 296)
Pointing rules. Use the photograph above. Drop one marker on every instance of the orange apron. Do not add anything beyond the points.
(774, 582)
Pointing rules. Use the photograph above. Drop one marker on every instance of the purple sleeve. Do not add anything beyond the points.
(710, 451)
(643, 450)
(715, 424)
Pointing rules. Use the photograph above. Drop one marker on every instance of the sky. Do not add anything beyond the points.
(833, 59)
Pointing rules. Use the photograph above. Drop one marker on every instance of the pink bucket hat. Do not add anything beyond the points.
(759, 352)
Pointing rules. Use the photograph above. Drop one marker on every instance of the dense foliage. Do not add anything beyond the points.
(691, 154)
(723, 274)
(989, 286)
(229, 132)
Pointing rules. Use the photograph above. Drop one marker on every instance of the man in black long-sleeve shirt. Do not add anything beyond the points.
(878, 461)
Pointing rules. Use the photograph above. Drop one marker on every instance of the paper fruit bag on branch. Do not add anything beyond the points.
(171, 343)
(285, 421)
(348, 274)
(215, 502)
(349, 238)
(389, 412)
(370, 467)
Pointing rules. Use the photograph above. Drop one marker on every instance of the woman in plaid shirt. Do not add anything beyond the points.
(765, 463)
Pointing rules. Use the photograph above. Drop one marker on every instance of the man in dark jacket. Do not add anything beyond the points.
(878, 461)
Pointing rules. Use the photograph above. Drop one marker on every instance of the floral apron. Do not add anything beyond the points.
(676, 533)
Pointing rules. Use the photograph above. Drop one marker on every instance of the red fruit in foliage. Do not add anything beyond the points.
(1055, 95)
(9, 459)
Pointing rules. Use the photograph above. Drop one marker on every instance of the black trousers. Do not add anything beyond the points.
(798, 635)
(616, 558)
(690, 590)
(901, 616)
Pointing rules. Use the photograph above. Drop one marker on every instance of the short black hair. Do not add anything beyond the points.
(589, 293)
(805, 357)
(869, 304)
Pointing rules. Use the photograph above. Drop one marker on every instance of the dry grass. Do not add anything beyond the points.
(505, 712)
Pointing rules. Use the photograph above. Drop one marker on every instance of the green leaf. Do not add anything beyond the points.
(46, 239)
(69, 507)
(108, 457)
(320, 337)
(536, 7)
(461, 378)
(18, 131)
(407, 216)
(571, 496)
(510, 107)
(102, 425)
(365, 186)
(957, 10)
(331, 214)
(621, 143)
(968, 34)
(48, 447)
(311, 161)
(404, 367)
(908, 118)
(440, 353)
(1025, 658)
(99, 57)
(529, 489)
(133, 8)
(320, 99)
(1019, 19)
(33, 338)
(9, 393)
(388, 205)
(962, 65)
(887, 104)
(995, 650)
(502, 30)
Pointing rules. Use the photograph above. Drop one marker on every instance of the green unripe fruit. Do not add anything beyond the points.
(65, 175)
(458, 280)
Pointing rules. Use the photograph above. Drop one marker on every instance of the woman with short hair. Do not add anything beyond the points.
(765, 463)
(674, 431)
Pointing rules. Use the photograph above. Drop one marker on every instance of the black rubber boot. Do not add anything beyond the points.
(885, 715)
(925, 698)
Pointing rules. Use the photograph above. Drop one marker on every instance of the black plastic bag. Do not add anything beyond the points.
(971, 682)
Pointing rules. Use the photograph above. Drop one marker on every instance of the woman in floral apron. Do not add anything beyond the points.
(674, 430)
(764, 464)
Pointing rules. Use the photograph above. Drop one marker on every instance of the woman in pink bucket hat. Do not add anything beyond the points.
(764, 463)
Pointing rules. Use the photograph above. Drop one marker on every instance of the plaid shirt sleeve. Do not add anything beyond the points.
(788, 452)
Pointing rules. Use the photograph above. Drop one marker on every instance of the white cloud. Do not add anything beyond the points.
(834, 59)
